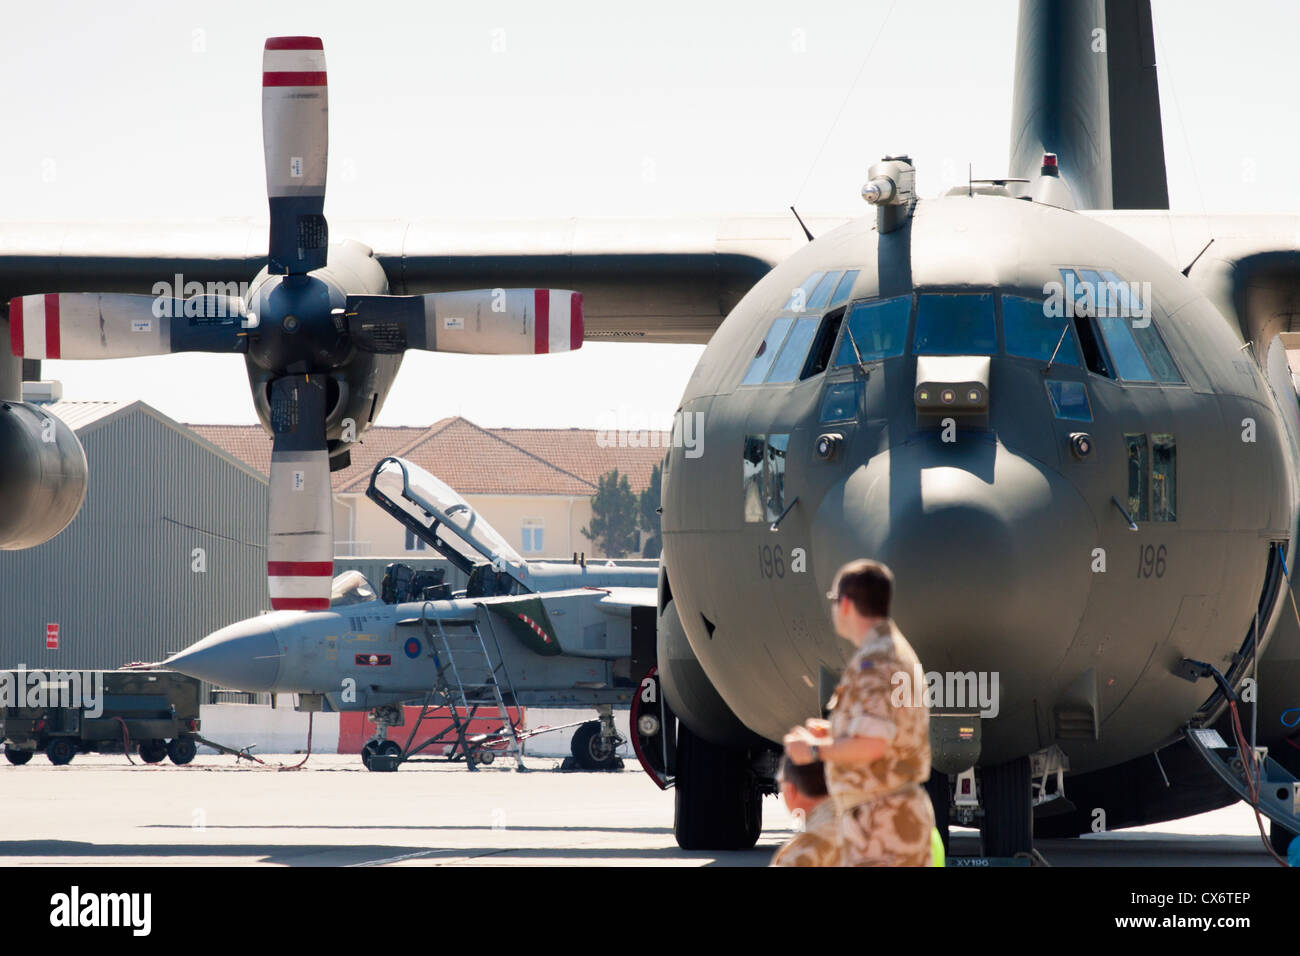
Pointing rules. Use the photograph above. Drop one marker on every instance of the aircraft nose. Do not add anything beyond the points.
(990, 550)
(244, 656)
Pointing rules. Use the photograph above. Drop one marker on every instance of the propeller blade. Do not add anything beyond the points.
(481, 322)
(300, 549)
(295, 140)
(88, 325)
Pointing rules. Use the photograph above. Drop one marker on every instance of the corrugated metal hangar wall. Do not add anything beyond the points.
(169, 546)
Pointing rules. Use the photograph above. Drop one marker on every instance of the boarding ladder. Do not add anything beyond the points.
(463, 702)
(1278, 789)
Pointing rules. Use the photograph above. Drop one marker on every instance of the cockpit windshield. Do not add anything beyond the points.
(955, 325)
(429, 500)
(351, 587)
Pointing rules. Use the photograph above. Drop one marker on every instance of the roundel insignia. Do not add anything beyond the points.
(412, 647)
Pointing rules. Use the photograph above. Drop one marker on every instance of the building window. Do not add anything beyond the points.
(414, 543)
(532, 533)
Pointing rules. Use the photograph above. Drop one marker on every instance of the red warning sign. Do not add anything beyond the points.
(51, 637)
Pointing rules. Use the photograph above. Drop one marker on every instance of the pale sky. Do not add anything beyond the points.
(151, 110)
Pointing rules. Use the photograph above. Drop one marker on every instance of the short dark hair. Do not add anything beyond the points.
(809, 778)
(868, 584)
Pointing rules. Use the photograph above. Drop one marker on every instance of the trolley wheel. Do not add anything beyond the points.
(182, 750)
(17, 757)
(369, 750)
(153, 751)
(61, 750)
(589, 750)
(390, 747)
(484, 757)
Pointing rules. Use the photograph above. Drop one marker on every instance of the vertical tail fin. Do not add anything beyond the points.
(1136, 141)
(1085, 89)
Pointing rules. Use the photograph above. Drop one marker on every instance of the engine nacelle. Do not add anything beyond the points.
(42, 475)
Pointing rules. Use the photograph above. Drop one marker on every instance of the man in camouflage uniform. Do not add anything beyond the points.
(804, 790)
(877, 755)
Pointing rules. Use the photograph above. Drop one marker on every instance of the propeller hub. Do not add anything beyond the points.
(296, 329)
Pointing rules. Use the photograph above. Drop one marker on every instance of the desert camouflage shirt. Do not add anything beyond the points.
(865, 705)
(817, 845)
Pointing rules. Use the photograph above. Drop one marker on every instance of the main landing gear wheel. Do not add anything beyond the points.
(17, 757)
(60, 751)
(1007, 798)
(590, 750)
(390, 748)
(153, 751)
(718, 805)
(182, 750)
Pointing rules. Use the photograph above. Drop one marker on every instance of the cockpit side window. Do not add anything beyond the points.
(874, 330)
(1031, 332)
(821, 293)
(1097, 297)
(766, 353)
(958, 324)
(798, 301)
(819, 356)
(1094, 352)
(1132, 305)
(791, 358)
(844, 288)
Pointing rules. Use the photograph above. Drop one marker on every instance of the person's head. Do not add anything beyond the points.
(803, 786)
(860, 596)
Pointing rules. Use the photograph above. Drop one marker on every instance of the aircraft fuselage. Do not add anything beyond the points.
(1006, 518)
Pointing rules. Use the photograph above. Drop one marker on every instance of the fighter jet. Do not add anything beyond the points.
(321, 337)
(543, 633)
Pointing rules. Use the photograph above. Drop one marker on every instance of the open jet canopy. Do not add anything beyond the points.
(455, 529)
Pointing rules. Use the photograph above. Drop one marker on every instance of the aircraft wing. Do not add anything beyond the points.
(1247, 265)
(652, 280)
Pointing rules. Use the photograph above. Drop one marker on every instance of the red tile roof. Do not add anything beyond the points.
(472, 460)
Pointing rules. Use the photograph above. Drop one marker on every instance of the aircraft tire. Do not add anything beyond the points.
(587, 750)
(1008, 825)
(717, 804)
(370, 748)
(61, 751)
(391, 748)
(182, 750)
(17, 757)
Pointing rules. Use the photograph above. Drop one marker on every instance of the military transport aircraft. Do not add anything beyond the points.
(1064, 415)
(1070, 430)
(543, 633)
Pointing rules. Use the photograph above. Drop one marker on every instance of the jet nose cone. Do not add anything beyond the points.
(244, 656)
